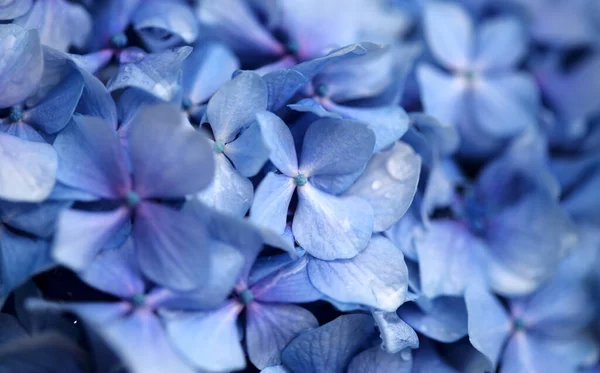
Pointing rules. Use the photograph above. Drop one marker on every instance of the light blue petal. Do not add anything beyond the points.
(525, 354)
(309, 105)
(115, 272)
(395, 333)
(501, 44)
(229, 192)
(91, 158)
(34, 218)
(270, 327)
(330, 227)
(376, 277)
(336, 147)
(280, 142)
(506, 105)
(275, 369)
(289, 284)
(56, 21)
(489, 325)
(443, 319)
(159, 171)
(21, 64)
(271, 202)
(21, 258)
(330, 347)
(96, 100)
(190, 332)
(282, 85)
(376, 360)
(450, 259)
(442, 94)
(171, 248)
(248, 152)
(314, 66)
(389, 184)
(112, 17)
(28, 171)
(156, 73)
(449, 33)
(206, 69)
(54, 112)
(169, 17)
(235, 105)
(80, 235)
(14, 8)
(388, 123)
(21, 130)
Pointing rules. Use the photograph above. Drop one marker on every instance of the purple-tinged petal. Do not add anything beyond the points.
(489, 324)
(11, 9)
(28, 171)
(159, 171)
(80, 235)
(21, 258)
(280, 142)
(209, 340)
(501, 44)
(54, 112)
(270, 327)
(376, 277)
(336, 147)
(156, 73)
(376, 360)
(116, 272)
(21, 63)
(443, 319)
(330, 347)
(449, 34)
(505, 105)
(234, 22)
(450, 258)
(206, 69)
(248, 152)
(171, 247)
(91, 158)
(229, 192)
(442, 94)
(388, 123)
(170, 17)
(389, 184)
(330, 227)
(289, 284)
(235, 105)
(396, 335)
(271, 202)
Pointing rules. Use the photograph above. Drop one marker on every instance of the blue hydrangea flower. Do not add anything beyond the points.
(92, 159)
(480, 91)
(14, 8)
(334, 153)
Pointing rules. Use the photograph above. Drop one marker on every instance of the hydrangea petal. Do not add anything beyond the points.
(280, 142)
(172, 17)
(248, 152)
(14, 8)
(443, 319)
(271, 202)
(396, 335)
(442, 94)
(282, 85)
(376, 360)
(376, 277)
(501, 43)
(289, 284)
(270, 327)
(330, 227)
(525, 354)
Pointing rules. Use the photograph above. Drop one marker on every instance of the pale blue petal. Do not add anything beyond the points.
(270, 327)
(280, 142)
(96, 100)
(235, 105)
(442, 94)
(14, 8)
(525, 354)
(21, 63)
(389, 184)
(289, 284)
(330, 227)
(376, 277)
(330, 347)
(449, 33)
(501, 44)
(171, 17)
(271, 202)
(28, 171)
(248, 152)
(190, 332)
(396, 335)
(314, 66)
(282, 85)
(80, 235)
(443, 319)
(310, 105)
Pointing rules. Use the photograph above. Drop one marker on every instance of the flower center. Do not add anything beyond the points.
(138, 299)
(292, 47)
(219, 147)
(15, 115)
(119, 40)
(322, 90)
(300, 179)
(519, 324)
(186, 103)
(470, 75)
(246, 297)
(133, 199)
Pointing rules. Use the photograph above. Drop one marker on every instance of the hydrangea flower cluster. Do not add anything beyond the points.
(286, 186)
